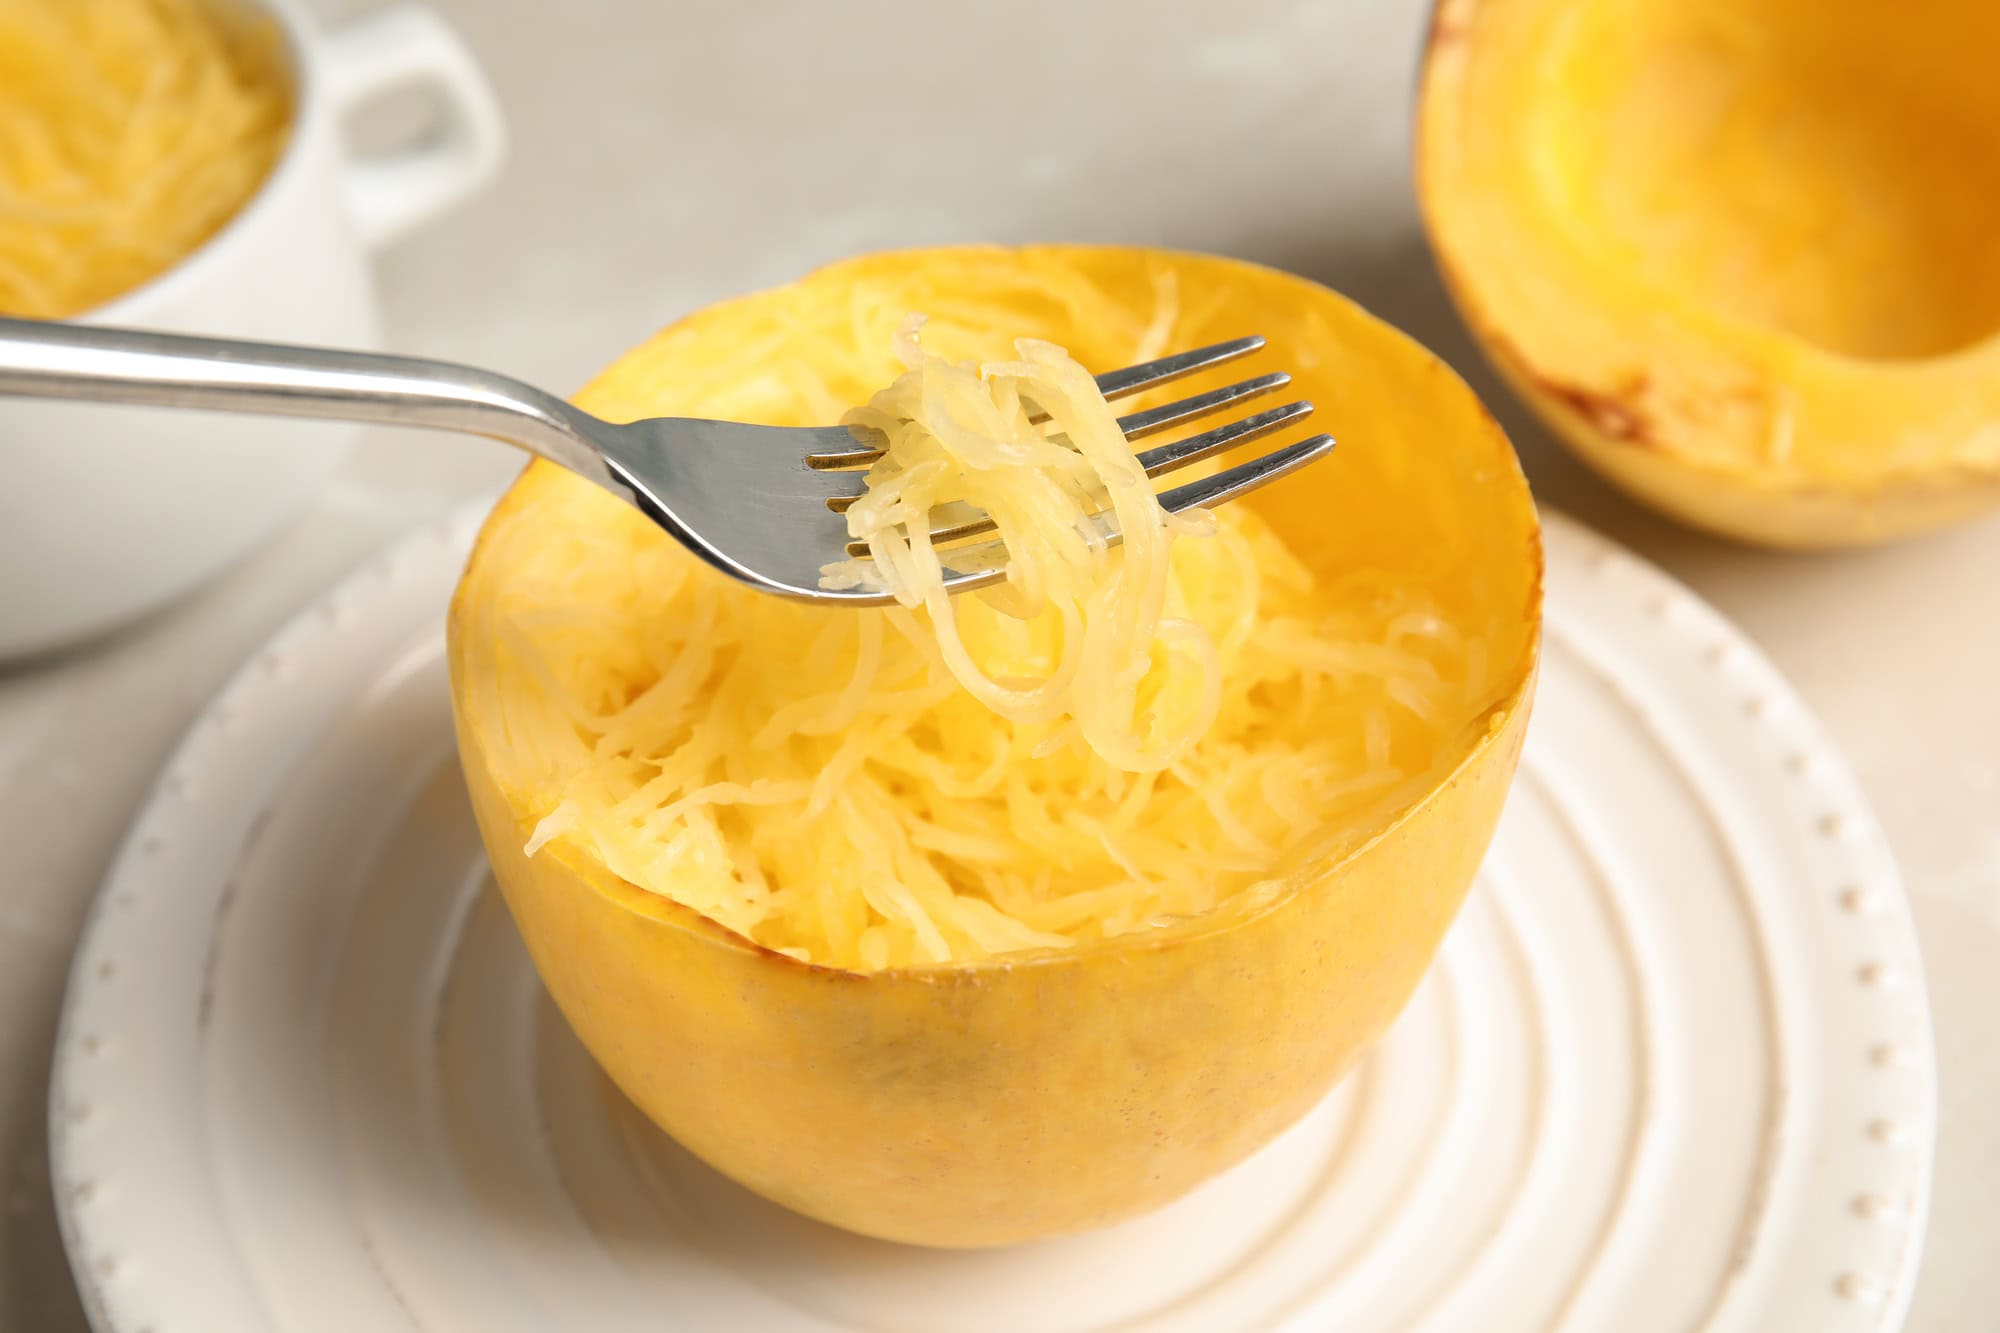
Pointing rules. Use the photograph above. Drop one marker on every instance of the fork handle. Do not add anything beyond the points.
(41, 359)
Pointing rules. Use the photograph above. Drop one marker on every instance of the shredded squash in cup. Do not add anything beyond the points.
(130, 132)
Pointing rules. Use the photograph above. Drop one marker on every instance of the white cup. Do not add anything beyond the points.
(106, 512)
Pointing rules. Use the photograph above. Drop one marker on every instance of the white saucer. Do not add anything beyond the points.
(1673, 1071)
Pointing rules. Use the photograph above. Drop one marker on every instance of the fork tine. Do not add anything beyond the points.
(963, 520)
(1138, 425)
(1181, 453)
(1122, 384)
(842, 489)
(1230, 483)
(957, 519)
(950, 522)
(976, 566)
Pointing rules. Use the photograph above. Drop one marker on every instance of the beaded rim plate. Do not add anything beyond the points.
(1673, 1070)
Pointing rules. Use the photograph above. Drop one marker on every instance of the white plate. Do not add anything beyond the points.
(1673, 1071)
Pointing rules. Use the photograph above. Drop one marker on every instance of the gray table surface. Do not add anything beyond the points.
(667, 154)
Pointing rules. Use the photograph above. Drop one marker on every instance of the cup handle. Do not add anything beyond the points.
(402, 47)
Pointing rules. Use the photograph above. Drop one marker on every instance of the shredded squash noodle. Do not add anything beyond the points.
(130, 131)
(1112, 741)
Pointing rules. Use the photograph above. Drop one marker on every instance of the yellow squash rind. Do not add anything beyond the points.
(1733, 252)
(1030, 1095)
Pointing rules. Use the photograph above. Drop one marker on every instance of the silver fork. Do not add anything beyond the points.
(763, 503)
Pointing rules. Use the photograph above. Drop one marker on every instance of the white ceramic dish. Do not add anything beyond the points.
(1673, 1070)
